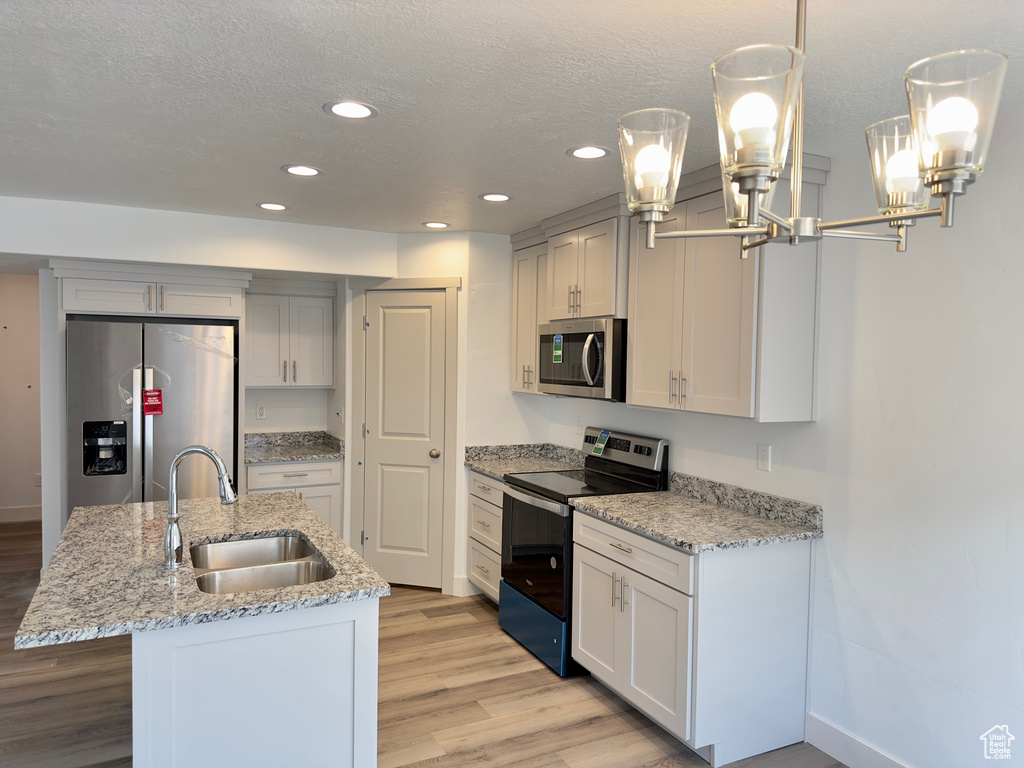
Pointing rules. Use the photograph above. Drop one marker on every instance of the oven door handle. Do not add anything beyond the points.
(562, 510)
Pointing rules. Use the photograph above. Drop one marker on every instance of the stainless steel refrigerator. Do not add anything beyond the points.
(139, 392)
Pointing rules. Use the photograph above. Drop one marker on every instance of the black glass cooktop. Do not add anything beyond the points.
(566, 484)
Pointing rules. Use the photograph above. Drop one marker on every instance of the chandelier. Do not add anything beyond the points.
(938, 148)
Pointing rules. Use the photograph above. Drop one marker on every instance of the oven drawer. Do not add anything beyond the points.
(486, 488)
(484, 568)
(669, 565)
(485, 523)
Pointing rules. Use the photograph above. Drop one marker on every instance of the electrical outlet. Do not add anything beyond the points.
(579, 425)
(764, 457)
(341, 415)
(261, 411)
(39, 480)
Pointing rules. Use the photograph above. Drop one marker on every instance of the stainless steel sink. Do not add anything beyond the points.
(273, 576)
(247, 565)
(247, 552)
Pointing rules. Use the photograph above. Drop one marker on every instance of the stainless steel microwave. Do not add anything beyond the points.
(583, 358)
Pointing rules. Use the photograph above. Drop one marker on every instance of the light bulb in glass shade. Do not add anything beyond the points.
(753, 118)
(652, 166)
(951, 123)
(901, 172)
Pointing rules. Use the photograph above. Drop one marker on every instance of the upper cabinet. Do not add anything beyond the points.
(529, 283)
(712, 332)
(289, 341)
(587, 261)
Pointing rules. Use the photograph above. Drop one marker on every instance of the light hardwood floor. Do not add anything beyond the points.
(455, 690)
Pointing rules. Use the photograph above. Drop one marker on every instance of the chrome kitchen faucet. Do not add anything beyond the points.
(173, 549)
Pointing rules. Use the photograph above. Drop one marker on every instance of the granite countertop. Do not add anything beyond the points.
(693, 525)
(107, 576)
(277, 447)
(496, 461)
(498, 468)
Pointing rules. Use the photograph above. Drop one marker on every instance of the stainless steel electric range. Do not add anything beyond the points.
(535, 595)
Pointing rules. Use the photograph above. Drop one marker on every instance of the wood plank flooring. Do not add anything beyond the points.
(455, 690)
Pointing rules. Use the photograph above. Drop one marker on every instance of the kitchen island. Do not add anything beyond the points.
(283, 676)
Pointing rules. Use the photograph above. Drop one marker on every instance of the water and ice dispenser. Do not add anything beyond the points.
(104, 448)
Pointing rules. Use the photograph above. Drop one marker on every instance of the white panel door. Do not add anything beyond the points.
(524, 319)
(720, 316)
(655, 325)
(311, 340)
(595, 610)
(596, 269)
(405, 395)
(266, 341)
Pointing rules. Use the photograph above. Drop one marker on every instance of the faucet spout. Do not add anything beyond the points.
(173, 548)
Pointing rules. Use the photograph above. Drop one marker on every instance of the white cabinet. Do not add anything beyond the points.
(712, 646)
(289, 341)
(484, 554)
(316, 483)
(582, 271)
(149, 298)
(529, 282)
(714, 333)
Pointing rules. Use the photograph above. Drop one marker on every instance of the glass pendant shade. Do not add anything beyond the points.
(756, 90)
(736, 201)
(953, 102)
(895, 166)
(651, 142)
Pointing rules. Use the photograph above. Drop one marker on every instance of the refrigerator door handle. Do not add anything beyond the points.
(137, 434)
(148, 488)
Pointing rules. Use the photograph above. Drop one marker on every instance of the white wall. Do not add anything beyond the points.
(19, 398)
(288, 410)
(918, 459)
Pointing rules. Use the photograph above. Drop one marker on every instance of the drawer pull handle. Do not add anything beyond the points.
(484, 523)
(484, 488)
(296, 474)
(623, 602)
(485, 570)
(627, 550)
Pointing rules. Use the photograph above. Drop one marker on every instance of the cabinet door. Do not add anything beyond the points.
(524, 319)
(596, 269)
(266, 341)
(655, 326)
(325, 501)
(199, 300)
(562, 257)
(108, 296)
(655, 666)
(719, 324)
(311, 340)
(595, 614)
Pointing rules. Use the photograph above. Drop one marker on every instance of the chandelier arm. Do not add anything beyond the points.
(748, 244)
(797, 164)
(736, 232)
(777, 220)
(823, 227)
(849, 234)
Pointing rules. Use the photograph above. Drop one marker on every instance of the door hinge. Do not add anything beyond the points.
(362, 535)
(365, 324)
(364, 430)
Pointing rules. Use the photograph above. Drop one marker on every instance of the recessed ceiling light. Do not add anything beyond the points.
(353, 109)
(272, 207)
(587, 153)
(495, 198)
(301, 170)
(435, 224)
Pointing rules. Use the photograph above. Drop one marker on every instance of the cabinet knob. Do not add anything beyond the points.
(434, 453)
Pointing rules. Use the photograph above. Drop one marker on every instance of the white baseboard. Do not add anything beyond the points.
(845, 747)
(463, 587)
(20, 514)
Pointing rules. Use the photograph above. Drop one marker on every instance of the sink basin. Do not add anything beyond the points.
(248, 552)
(272, 576)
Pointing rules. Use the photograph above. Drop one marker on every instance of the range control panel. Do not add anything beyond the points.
(640, 451)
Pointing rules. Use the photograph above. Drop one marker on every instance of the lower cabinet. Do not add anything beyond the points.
(316, 483)
(711, 646)
(484, 553)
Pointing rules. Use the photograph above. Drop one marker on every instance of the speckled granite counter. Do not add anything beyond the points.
(498, 460)
(276, 447)
(107, 577)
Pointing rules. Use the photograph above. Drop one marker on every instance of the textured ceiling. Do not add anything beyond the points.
(193, 105)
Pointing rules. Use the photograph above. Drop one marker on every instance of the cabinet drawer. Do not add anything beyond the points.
(485, 523)
(484, 568)
(486, 488)
(293, 475)
(669, 565)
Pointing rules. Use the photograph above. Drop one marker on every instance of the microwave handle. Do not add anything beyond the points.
(586, 360)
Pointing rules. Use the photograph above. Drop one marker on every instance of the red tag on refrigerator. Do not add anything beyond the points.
(152, 402)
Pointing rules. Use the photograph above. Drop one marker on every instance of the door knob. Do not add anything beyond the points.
(434, 453)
